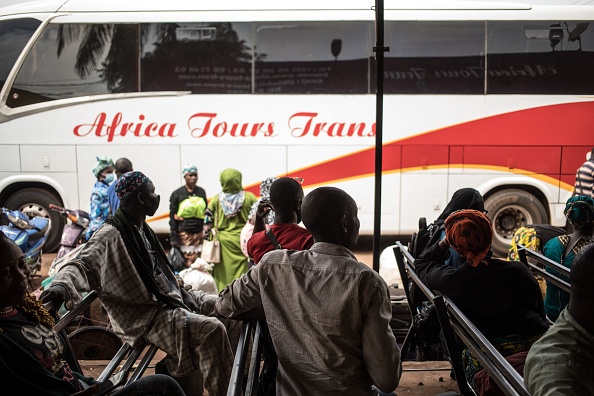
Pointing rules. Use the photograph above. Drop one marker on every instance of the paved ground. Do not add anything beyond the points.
(418, 378)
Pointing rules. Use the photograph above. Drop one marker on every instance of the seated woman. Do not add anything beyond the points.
(579, 212)
(501, 298)
(31, 352)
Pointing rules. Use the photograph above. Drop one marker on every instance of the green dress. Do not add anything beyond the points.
(233, 262)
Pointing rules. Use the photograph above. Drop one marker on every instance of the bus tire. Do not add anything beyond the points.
(35, 201)
(510, 210)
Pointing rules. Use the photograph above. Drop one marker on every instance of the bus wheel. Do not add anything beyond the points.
(510, 210)
(35, 202)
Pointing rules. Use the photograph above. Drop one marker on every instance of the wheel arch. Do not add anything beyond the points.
(12, 184)
(540, 192)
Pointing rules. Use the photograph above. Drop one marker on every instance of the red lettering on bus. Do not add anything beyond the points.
(100, 128)
(200, 126)
(301, 125)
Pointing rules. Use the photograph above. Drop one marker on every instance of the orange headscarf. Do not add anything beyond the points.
(469, 232)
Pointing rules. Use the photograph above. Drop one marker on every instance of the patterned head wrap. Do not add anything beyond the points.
(264, 195)
(469, 232)
(579, 210)
(189, 168)
(129, 184)
(102, 163)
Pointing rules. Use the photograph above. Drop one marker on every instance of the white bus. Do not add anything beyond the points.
(494, 96)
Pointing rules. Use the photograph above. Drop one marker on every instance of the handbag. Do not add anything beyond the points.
(211, 249)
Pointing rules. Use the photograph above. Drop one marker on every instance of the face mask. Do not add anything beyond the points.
(109, 178)
(154, 205)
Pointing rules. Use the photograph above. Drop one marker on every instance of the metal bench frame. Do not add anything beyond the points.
(113, 376)
(526, 254)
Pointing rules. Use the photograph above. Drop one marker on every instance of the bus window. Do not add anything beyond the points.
(540, 57)
(14, 35)
(312, 57)
(73, 60)
(434, 58)
(198, 57)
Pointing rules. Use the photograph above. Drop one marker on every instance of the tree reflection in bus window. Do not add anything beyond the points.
(73, 60)
(197, 57)
(540, 57)
(434, 58)
(14, 35)
(312, 57)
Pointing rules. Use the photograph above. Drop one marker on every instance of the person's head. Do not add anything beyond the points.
(464, 198)
(13, 273)
(190, 174)
(137, 193)
(286, 196)
(579, 211)
(103, 169)
(470, 233)
(582, 280)
(231, 181)
(123, 165)
(330, 215)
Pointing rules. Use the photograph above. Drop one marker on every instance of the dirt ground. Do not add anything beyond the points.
(418, 378)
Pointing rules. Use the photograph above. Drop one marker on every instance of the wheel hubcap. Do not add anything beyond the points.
(507, 220)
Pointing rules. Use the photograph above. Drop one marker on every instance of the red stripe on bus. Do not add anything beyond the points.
(536, 140)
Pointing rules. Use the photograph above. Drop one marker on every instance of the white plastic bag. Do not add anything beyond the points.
(199, 278)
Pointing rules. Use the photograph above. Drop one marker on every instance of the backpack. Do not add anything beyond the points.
(427, 236)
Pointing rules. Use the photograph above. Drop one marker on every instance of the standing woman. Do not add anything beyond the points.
(230, 210)
(579, 211)
(103, 171)
(186, 215)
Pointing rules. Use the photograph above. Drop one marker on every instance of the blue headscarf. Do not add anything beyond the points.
(189, 168)
(579, 210)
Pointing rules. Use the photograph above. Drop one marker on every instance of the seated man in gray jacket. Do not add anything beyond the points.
(328, 314)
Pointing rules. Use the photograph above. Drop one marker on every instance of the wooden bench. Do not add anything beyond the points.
(115, 373)
(529, 256)
(453, 321)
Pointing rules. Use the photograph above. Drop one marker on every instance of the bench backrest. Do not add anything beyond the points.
(250, 338)
(529, 255)
(113, 375)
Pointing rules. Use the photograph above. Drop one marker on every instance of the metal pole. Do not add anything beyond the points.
(379, 50)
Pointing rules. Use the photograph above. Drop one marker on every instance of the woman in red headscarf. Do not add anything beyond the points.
(501, 298)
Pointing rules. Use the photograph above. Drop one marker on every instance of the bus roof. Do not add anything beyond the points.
(239, 5)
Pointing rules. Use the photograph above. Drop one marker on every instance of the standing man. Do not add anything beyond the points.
(328, 314)
(584, 178)
(186, 215)
(122, 165)
(126, 264)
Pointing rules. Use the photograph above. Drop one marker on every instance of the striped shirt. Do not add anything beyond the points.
(584, 179)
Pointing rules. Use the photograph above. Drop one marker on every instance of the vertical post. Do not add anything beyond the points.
(379, 50)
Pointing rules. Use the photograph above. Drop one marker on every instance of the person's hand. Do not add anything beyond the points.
(55, 294)
(177, 218)
(189, 300)
(91, 390)
(264, 207)
(443, 244)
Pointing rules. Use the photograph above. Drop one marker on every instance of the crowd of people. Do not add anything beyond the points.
(325, 316)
